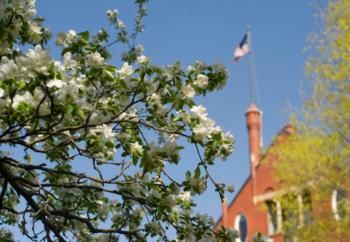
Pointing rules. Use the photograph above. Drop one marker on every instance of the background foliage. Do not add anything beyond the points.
(316, 158)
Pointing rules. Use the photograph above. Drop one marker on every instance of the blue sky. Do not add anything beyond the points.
(209, 30)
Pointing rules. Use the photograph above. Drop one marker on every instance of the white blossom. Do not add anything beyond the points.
(2, 92)
(199, 111)
(190, 68)
(71, 34)
(61, 37)
(110, 153)
(201, 81)
(94, 59)
(81, 80)
(105, 130)
(35, 61)
(7, 67)
(35, 28)
(131, 115)
(31, 12)
(139, 48)
(151, 86)
(205, 125)
(185, 196)
(154, 99)
(99, 202)
(112, 12)
(188, 91)
(17, 99)
(44, 108)
(55, 83)
(120, 24)
(173, 137)
(69, 62)
(70, 91)
(118, 215)
(170, 148)
(142, 59)
(200, 132)
(162, 110)
(203, 129)
(126, 70)
(59, 66)
(136, 148)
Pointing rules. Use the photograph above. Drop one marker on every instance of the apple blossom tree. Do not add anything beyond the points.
(86, 146)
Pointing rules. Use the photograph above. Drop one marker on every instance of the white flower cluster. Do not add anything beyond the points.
(19, 98)
(205, 126)
(126, 71)
(142, 59)
(94, 59)
(198, 66)
(135, 185)
(206, 129)
(36, 62)
(154, 99)
(7, 67)
(129, 115)
(66, 39)
(168, 149)
(185, 196)
(120, 24)
(112, 14)
(136, 149)
(24, 16)
(27, 66)
(188, 91)
(55, 83)
(201, 81)
(70, 65)
(106, 131)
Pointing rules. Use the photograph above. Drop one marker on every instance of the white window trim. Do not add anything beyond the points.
(301, 209)
(335, 205)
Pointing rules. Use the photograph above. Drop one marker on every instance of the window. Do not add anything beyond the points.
(306, 208)
(272, 216)
(296, 212)
(290, 215)
(288, 212)
(339, 203)
(241, 225)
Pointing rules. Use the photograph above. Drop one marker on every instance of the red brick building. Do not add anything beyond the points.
(254, 209)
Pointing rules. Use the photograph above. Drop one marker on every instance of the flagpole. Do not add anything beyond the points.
(252, 98)
(253, 91)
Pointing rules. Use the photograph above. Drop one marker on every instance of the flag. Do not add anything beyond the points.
(242, 49)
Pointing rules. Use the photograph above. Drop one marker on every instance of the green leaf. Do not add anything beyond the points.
(85, 35)
(109, 144)
(69, 109)
(197, 172)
